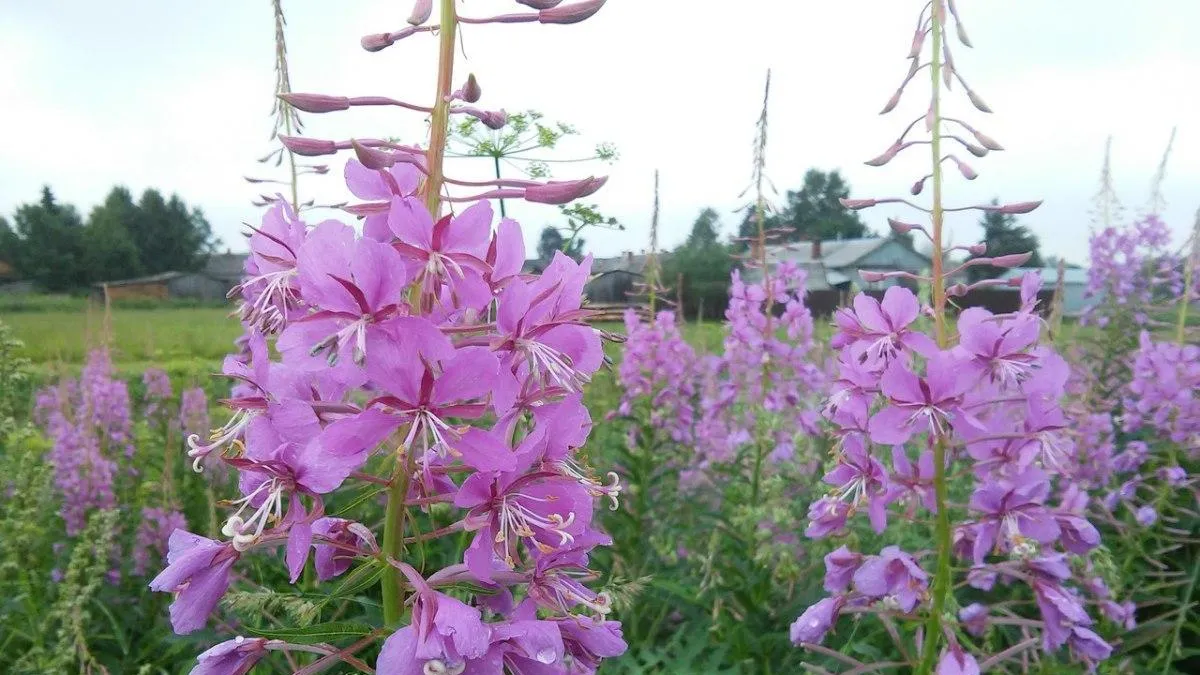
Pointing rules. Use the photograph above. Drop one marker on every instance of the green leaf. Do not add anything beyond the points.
(360, 579)
(366, 495)
(321, 632)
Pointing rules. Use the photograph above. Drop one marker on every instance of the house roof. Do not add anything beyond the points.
(835, 253)
(1071, 275)
(226, 266)
(151, 279)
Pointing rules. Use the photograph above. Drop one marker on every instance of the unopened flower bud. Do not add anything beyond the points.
(376, 42)
(540, 4)
(380, 41)
(892, 102)
(871, 277)
(471, 91)
(856, 204)
(901, 227)
(308, 147)
(977, 249)
(917, 42)
(965, 169)
(316, 103)
(572, 13)
(1019, 207)
(421, 12)
(563, 192)
(885, 157)
(918, 186)
(372, 158)
(977, 101)
(976, 150)
(1012, 260)
(986, 141)
(957, 290)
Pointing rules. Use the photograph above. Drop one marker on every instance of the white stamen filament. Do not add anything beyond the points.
(517, 518)
(571, 469)
(219, 437)
(237, 527)
(268, 309)
(546, 362)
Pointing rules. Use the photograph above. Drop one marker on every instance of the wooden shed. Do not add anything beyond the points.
(167, 285)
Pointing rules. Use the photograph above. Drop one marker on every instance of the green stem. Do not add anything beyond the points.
(941, 578)
(393, 541)
(496, 161)
(1184, 613)
(1185, 300)
(392, 583)
(439, 127)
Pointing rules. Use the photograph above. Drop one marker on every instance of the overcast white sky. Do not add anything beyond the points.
(175, 94)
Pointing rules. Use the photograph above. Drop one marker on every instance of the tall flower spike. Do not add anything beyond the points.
(989, 389)
(421, 340)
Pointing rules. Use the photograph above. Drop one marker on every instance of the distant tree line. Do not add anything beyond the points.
(50, 244)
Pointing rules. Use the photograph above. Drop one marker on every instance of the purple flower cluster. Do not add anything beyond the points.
(991, 402)
(1162, 394)
(1130, 268)
(153, 535)
(658, 367)
(89, 423)
(767, 370)
(420, 340)
(158, 393)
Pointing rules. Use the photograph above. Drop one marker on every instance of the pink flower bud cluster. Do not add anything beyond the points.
(992, 400)
(421, 341)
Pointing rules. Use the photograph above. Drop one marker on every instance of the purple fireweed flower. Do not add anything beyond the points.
(541, 509)
(974, 618)
(270, 293)
(840, 566)
(450, 252)
(914, 481)
(197, 573)
(380, 187)
(1123, 614)
(1172, 475)
(825, 516)
(427, 389)
(860, 480)
(588, 641)
(335, 540)
(153, 536)
(231, 657)
(158, 392)
(357, 284)
(877, 332)
(445, 635)
(915, 404)
(997, 349)
(506, 254)
(894, 576)
(1062, 611)
(1012, 514)
(556, 581)
(816, 621)
(854, 385)
(1146, 515)
(955, 661)
(542, 343)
